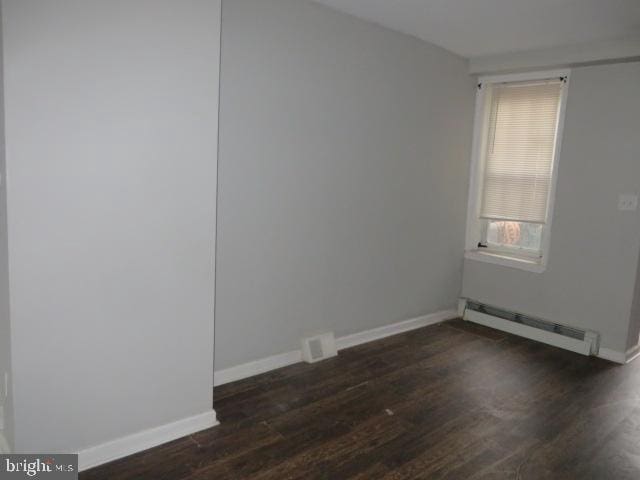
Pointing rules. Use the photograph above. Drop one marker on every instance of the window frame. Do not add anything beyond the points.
(476, 226)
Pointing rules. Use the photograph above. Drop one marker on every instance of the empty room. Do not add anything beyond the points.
(319, 239)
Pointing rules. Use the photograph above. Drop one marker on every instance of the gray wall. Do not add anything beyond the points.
(594, 247)
(5, 326)
(343, 173)
(111, 121)
(634, 321)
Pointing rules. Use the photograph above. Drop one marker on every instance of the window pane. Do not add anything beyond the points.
(516, 235)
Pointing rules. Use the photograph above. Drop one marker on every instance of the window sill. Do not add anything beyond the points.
(530, 265)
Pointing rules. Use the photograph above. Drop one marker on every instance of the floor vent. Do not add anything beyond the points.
(319, 348)
(580, 341)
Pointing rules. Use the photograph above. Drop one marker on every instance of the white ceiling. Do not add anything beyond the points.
(473, 28)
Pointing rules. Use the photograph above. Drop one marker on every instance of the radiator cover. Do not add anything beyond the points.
(585, 342)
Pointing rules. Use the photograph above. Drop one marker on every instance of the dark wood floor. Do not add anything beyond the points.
(451, 401)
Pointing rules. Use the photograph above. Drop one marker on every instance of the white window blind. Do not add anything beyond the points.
(520, 148)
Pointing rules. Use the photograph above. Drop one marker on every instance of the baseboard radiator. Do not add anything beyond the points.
(585, 342)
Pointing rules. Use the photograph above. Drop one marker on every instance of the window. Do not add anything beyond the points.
(516, 144)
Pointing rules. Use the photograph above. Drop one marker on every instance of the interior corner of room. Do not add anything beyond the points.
(197, 193)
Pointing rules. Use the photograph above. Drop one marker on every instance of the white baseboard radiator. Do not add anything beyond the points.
(585, 342)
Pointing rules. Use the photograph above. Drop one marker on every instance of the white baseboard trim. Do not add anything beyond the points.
(633, 353)
(620, 357)
(612, 355)
(267, 364)
(137, 442)
(394, 329)
(256, 367)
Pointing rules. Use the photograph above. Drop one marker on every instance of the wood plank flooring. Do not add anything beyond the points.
(450, 401)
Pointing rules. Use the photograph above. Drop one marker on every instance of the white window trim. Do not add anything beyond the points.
(481, 124)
